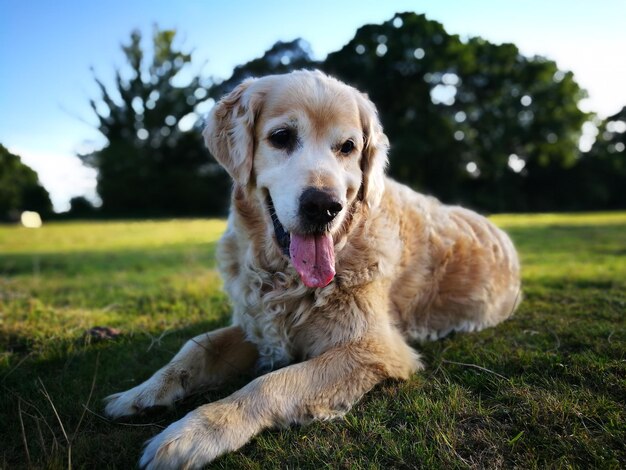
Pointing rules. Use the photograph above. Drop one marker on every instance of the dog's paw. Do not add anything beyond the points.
(152, 393)
(197, 439)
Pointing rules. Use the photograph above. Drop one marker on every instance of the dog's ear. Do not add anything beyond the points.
(374, 156)
(229, 131)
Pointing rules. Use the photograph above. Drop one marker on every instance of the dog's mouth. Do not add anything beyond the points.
(312, 254)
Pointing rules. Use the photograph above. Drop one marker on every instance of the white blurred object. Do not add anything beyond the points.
(31, 219)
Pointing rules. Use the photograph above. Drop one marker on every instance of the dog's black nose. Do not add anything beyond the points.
(318, 207)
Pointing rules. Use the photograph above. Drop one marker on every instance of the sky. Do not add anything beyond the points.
(48, 48)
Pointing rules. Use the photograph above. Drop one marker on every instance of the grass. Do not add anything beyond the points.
(546, 389)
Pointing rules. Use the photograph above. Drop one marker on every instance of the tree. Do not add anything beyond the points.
(471, 122)
(20, 189)
(155, 162)
(600, 174)
(282, 57)
(81, 207)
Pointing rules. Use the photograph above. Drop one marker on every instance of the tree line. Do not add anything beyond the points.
(20, 188)
(469, 121)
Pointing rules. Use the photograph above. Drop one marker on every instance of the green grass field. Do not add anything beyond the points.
(546, 389)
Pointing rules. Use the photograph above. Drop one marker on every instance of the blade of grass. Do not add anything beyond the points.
(24, 439)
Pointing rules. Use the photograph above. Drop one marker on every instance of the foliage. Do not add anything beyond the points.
(151, 165)
(282, 57)
(20, 189)
(543, 390)
(601, 173)
(81, 208)
(471, 122)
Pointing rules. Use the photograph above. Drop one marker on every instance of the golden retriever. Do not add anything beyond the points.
(331, 267)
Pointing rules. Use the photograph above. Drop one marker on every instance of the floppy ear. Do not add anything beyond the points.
(229, 131)
(374, 157)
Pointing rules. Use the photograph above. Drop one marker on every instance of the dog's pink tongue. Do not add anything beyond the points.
(314, 258)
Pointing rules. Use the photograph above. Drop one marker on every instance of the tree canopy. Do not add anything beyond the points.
(600, 174)
(20, 189)
(154, 162)
(282, 57)
(469, 121)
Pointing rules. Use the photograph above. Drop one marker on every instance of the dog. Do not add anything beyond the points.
(332, 269)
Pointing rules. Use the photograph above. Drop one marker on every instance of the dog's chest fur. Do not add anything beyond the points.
(269, 306)
(286, 320)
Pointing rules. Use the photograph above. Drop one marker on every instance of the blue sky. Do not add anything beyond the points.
(47, 48)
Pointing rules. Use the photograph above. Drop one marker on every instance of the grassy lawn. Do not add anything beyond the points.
(546, 389)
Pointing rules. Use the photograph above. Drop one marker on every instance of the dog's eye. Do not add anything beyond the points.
(282, 138)
(347, 147)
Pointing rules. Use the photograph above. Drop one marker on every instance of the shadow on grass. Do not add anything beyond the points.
(479, 391)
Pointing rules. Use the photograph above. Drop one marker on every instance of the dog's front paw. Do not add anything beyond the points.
(197, 439)
(152, 393)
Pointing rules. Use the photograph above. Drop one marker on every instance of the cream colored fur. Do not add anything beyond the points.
(408, 268)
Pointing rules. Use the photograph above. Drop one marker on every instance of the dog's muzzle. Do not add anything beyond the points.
(312, 254)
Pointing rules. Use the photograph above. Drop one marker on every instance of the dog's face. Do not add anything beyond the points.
(310, 147)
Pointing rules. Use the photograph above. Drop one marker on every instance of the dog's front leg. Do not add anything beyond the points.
(208, 359)
(320, 388)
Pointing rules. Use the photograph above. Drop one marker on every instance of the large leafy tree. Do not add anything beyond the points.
(154, 162)
(282, 57)
(600, 175)
(20, 189)
(470, 121)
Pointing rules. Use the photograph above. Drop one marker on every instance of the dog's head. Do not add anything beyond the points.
(311, 148)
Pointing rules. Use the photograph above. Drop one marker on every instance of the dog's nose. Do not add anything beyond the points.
(318, 207)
